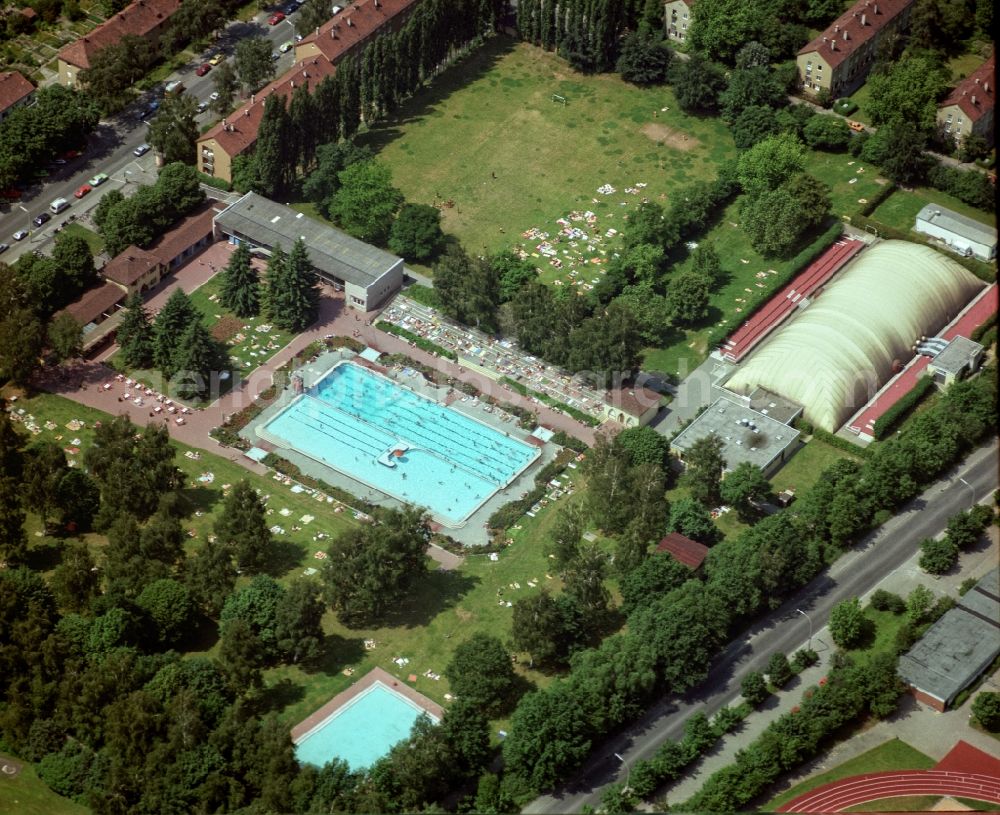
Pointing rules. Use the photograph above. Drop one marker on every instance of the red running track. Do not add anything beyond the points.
(860, 789)
(974, 316)
(784, 302)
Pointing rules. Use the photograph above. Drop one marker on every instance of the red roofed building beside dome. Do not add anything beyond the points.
(968, 109)
(839, 59)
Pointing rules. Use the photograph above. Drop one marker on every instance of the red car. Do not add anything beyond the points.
(203, 69)
(82, 191)
(276, 18)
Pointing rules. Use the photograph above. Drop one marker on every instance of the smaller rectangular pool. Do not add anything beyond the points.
(362, 730)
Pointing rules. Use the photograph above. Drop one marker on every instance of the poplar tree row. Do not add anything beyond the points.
(364, 88)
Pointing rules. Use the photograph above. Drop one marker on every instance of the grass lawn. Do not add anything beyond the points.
(885, 624)
(805, 467)
(94, 241)
(860, 97)
(963, 65)
(27, 795)
(851, 181)
(728, 523)
(493, 114)
(250, 341)
(900, 209)
(893, 755)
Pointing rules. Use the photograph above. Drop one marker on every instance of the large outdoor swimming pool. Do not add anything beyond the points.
(401, 443)
(362, 730)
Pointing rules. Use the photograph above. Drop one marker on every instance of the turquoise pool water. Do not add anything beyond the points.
(362, 731)
(358, 422)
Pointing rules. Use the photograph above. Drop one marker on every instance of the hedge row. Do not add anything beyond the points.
(873, 203)
(572, 412)
(970, 186)
(718, 334)
(417, 340)
(982, 329)
(829, 438)
(286, 467)
(216, 183)
(888, 420)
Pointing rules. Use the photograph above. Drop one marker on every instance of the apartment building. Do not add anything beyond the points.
(143, 18)
(15, 90)
(838, 61)
(968, 109)
(678, 18)
(316, 56)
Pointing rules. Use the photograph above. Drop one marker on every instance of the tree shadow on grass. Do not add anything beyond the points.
(44, 555)
(430, 596)
(336, 653)
(203, 635)
(424, 103)
(199, 498)
(282, 557)
(280, 695)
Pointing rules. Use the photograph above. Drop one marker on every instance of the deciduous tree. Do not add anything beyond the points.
(847, 623)
(366, 202)
(416, 233)
(480, 672)
(174, 131)
(703, 469)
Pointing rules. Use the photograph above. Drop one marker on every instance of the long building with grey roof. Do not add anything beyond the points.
(367, 274)
(957, 648)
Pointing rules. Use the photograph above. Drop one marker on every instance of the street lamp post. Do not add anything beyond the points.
(628, 771)
(971, 489)
(800, 611)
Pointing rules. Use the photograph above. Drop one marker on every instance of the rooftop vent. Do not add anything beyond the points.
(275, 219)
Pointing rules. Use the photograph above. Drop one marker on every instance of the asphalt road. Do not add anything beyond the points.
(109, 148)
(853, 575)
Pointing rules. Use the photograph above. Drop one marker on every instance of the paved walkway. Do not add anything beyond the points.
(925, 729)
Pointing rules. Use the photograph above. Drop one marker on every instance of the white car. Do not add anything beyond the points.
(21, 234)
(141, 150)
(213, 96)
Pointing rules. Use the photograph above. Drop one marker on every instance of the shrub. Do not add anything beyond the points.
(898, 411)
(845, 107)
(883, 600)
(938, 556)
(986, 709)
(847, 623)
(753, 688)
(804, 658)
(778, 670)
(729, 719)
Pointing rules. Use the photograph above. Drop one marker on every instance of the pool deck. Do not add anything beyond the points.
(359, 687)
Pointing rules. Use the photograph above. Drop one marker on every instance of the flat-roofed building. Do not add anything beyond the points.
(959, 358)
(961, 234)
(957, 648)
(746, 435)
(839, 59)
(15, 90)
(143, 18)
(968, 109)
(367, 274)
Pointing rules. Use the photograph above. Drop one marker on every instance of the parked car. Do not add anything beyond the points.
(285, 47)
(216, 59)
(275, 56)
(41, 219)
(141, 150)
(213, 96)
(82, 191)
(21, 234)
(4, 247)
(98, 179)
(276, 18)
(202, 106)
(204, 69)
(70, 154)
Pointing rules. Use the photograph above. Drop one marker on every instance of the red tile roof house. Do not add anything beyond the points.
(316, 57)
(968, 109)
(839, 59)
(143, 18)
(97, 312)
(684, 550)
(14, 90)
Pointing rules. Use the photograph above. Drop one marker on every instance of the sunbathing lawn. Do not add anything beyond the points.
(900, 209)
(205, 496)
(807, 465)
(893, 755)
(250, 341)
(26, 794)
(852, 182)
(494, 114)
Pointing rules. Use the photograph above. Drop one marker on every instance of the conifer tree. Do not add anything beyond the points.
(293, 297)
(135, 334)
(168, 328)
(240, 285)
(242, 528)
(196, 356)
